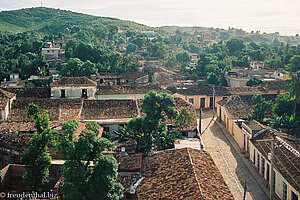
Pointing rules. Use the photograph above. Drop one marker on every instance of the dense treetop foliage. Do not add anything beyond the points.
(88, 173)
(36, 158)
(150, 131)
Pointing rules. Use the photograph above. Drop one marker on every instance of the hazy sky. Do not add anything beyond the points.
(265, 15)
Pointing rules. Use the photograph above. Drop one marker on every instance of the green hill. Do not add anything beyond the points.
(55, 21)
(52, 21)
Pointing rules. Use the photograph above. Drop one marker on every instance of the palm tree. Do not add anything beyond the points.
(294, 89)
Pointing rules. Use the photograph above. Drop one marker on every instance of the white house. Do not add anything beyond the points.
(74, 87)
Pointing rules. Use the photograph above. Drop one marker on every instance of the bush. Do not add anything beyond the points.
(106, 134)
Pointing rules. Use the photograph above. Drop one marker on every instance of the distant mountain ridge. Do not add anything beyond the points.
(55, 21)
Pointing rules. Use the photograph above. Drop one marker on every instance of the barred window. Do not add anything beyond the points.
(254, 157)
(258, 162)
(263, 166)
(191, 100)
(284, 191)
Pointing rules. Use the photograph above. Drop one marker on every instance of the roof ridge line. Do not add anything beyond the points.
(193, 168)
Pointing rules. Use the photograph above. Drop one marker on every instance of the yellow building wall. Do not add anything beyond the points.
(197, 100)
(127, 80)
(223, 115)
(231, 126)
(237, 134)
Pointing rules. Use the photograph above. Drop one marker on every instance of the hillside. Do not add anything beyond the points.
(53, 21)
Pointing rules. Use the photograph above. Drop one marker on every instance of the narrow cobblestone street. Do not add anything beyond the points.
(231, 166)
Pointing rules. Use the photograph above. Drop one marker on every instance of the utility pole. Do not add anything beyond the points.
(41, 3)
(245, 190)
(200, 119)
(272, 173)
(213, 101)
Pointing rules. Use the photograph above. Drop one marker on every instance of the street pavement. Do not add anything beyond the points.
(230, 162)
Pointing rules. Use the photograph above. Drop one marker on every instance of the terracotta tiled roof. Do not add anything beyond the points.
(73, 81)
(245, 90)
(108, 109)
(58, 109)
(4, 98)
(61, 110)
(182, 174)
(17, 126)
(17, 141)
(3, 102)
(221, 91)
(7, 94)
(128, 180)
(255, 126)
(128, 89)
(237, 108)
(130, 163)
(274, 85)
(124, 75)
(30, 92)
(13, 174)
(240, 106)
(286, 154)
(196, 90)
(223, 101)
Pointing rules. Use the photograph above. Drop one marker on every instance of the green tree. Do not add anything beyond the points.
(157, 49)
(183, 58)
(71, 67)
(283, 104)
(294, 64)
(253, 82)
(150, 131)
(274, 63)
(131, 48)
(87, 69)
(171, 62)
(285, 121)
(75, 67)
(184, 119)
(139, 41)
(294, 89)
(33, 111)
(1, 177)
(88, 173)
(194, 48)
(38, 83)
(213, 78)
(235, 45)
(36, 158)
(259, 108)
